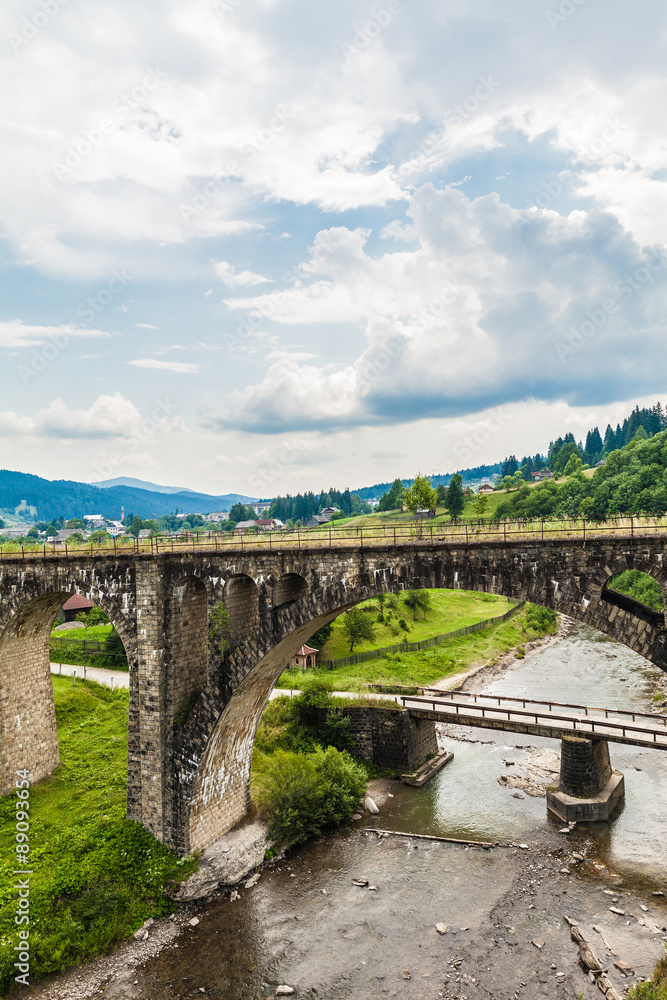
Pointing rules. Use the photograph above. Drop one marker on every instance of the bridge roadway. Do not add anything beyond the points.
(539, 718)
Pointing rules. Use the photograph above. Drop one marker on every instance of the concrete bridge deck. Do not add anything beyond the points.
(546, 718)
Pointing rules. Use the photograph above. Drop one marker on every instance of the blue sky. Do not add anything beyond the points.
(262, 245)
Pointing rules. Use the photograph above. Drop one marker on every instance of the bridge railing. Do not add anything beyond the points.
(470, 533)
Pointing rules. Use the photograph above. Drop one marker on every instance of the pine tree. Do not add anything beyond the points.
(455, 500)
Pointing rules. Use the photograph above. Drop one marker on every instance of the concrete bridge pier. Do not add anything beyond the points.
(589, 789)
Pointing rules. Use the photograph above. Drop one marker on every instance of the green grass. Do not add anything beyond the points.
(429, 665)
(96, 633)
(97, 876)
(450, 610)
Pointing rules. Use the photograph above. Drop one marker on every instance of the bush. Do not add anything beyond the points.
(656, 989)
(305, 794)
(542, 620)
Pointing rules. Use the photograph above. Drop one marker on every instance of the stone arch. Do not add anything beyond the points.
(220, 795)
(288, 588)
(27, 710)
(242, 604)
(187, 645)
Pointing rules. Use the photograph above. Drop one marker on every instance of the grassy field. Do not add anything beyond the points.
(429, 665)
(450, 609)
(97, 876)
(96, 633)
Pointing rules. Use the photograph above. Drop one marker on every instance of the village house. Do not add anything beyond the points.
(316, 521)
(485, 488)
(328, 511)
(540, 476)
(304, 658)
(262, 507)
(245, 526)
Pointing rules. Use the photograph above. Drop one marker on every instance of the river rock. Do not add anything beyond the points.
(443, 928)
(624, 968)
(225, 862)
(619, 913)
(538, 943)
(370, 806)
(356, 816)
(284, 991)
(253, 880)
(193, 921)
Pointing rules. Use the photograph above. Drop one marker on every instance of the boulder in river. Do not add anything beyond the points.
(370, 805)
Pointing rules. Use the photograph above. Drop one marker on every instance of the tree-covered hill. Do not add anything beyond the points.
(633, 481)
(65, 498)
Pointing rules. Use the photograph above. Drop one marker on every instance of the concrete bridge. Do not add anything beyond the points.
(193, 709)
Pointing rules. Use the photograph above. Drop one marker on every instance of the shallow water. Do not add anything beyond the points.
(465, 799)
(305, 922)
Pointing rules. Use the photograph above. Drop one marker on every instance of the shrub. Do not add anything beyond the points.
(542, 620)
(520, 652)
(305, 794)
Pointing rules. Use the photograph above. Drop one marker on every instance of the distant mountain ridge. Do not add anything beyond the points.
(72, 499)
(140, 484)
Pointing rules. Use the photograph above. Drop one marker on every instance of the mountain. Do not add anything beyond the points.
(71, 499)
(140, 484)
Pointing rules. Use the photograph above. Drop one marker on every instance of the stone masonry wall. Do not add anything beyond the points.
(389, 737)
(585, 766)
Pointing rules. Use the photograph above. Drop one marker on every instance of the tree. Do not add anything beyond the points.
(75, 522)
(421, 495)
(441, 493)
(481, 502)
(357, 627)
(574, 465)
(240, 512)
(455, 499)
(136, 526)
(418, 600)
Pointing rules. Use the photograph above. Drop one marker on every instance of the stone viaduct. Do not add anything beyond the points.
(193, 711)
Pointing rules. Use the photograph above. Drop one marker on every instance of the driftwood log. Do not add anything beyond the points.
(590, 962)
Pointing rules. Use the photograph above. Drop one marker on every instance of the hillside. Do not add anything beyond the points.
(71, 499)
(633, 481)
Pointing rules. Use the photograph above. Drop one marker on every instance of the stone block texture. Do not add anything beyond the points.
(389, 737)
(585, 766)
(188, 779)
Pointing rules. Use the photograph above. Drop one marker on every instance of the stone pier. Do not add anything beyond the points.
(589, 789)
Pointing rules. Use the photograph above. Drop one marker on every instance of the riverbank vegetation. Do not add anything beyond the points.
(429, 665)
(302, 777)
(96, 875)
(639, 585)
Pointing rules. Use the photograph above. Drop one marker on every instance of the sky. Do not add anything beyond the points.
(263, 246)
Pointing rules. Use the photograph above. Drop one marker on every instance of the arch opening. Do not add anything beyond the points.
(242, 604)
(288, 588)
(187, 643)
(62, 627)
(638, 593)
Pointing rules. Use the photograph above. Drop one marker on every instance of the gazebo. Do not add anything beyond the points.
(304, 658)
(74, 606)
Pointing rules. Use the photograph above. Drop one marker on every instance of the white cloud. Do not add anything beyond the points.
(493, 304)
(108, 416)
(147, 326)
(227, 273)
(15, 333)
(182, 367)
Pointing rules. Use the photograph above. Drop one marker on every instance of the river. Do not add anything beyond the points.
(306, 925)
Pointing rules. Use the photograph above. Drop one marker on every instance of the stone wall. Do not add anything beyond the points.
(585, 766)
(389, 737)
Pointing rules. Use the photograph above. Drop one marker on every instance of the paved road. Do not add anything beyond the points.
(121, 678)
